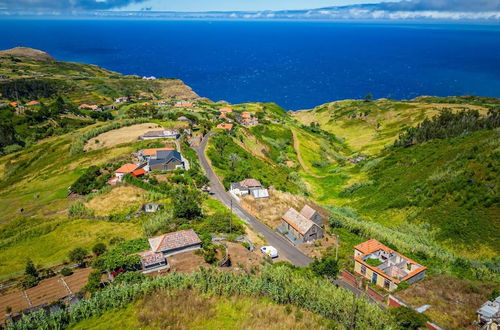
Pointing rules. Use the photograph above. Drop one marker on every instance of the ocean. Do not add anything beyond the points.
(298, 65)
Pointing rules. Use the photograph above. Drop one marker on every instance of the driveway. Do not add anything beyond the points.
(284, 247)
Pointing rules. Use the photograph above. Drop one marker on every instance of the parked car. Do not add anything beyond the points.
(269, 251)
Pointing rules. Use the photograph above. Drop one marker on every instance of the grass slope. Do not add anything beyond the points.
(452, 185)
(369, 126)
(186, 309)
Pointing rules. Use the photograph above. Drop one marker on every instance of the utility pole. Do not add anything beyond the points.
(337, 242)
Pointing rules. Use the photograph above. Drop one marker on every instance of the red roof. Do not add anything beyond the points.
(138, 172)
(225, 126)
(126, 168)
(33, 103)
(370, 246)
(175, 240)
(226, 109)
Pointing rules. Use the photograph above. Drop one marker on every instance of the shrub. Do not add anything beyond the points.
(327, 267)
(99, 249)
(29, 281)
(30, 269)
(94, 281)
(408, 318)
(78, 255)
(66, 271)
(79, 210)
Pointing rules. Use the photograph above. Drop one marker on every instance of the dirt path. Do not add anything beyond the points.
(296, 146)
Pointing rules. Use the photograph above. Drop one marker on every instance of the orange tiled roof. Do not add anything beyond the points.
(373, 245)
(13, 104)
(33, 103)
(226, 109)
(138, 172)
(246, 115)
(126, 168)
(370, 246)
(225, 126)
(152, 151)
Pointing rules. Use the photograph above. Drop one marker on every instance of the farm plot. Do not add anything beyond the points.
(119, 136)
(78, 280)
(14, 300)
(47, 291)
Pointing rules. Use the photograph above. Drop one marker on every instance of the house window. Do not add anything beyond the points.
(387, 284)
(363, 269)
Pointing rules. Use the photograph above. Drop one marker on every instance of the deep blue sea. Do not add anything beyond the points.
(295, 64)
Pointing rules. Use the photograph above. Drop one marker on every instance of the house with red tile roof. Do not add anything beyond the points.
(183, 104)
(125, 169)
(138, 172)
(298, 228)
(385, 267)
(225, 126)
(32, 103)
(226, 110)
(176, 242)
(167, 245)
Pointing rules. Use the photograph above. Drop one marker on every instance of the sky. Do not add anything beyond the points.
(241, 5)
(380, 8)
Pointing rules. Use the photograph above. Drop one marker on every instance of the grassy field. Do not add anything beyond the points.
(36, 181)
(448, 184)
(453, 301)
(118, 200)
(189, 309)
(49, 241)
(368, 127)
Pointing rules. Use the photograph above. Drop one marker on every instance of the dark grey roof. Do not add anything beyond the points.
(168, 155)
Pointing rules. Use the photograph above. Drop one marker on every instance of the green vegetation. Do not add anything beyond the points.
(449, 185)
(373, 262)
(448, 124)
(408, 318)
(236, 164)
(77, 255)
(280, 283)
(91, 179)
(192, 309)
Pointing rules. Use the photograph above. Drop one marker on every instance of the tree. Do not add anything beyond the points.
(94, 281)
(99, 249)
(30, 269)
(408, 318)
(327, 267)
(77, 255)
(187, 203)
(368, 97)
(220, 143)
(233, 158)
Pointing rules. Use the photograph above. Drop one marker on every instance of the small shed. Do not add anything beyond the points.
(151, 207)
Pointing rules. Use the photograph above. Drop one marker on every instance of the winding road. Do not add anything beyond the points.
(284, 247)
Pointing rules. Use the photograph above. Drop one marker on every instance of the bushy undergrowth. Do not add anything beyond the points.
(236, 164)
(448, 124)
(450, 184)
(279, 283)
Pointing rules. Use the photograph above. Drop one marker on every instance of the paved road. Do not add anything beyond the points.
(284, 247)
